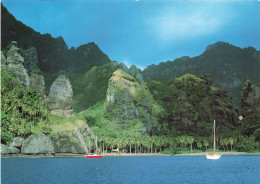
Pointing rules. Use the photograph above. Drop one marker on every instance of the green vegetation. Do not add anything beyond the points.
(191, 104)
(21, 109)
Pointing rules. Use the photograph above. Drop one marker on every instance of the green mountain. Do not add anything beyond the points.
(229, 66)
(53, 53)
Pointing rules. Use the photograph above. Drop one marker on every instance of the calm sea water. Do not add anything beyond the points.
(158, 170)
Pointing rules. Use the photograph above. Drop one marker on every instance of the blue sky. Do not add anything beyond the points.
(144, 32)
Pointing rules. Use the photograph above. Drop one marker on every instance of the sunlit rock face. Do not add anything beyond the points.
(59, 99)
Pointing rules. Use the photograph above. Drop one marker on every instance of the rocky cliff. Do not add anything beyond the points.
(59, 100)
(128, 101)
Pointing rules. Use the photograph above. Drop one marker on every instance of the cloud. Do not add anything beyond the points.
(178, 22)
(129, 64)
(174, 27)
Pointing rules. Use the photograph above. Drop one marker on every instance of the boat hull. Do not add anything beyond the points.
(94, 156)
(213, 156)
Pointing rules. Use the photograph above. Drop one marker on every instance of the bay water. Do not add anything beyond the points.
(135, 169)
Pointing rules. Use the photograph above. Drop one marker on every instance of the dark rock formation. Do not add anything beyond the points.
(30, 58)
(37, 144)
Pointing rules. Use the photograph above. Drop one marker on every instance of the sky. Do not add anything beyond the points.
(144, 32)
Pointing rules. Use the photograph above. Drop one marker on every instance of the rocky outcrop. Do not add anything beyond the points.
(128, 100)
(30, 58)
(59, 100)
(5, 150)
(38, 84)
(250, 99)
(17, 142)
(75, 141)
(16, 145)
(37, 144)
(15, 65)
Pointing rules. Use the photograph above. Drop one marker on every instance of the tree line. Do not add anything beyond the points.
(156, 144)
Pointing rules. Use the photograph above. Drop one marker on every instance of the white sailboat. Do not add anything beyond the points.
(213, 155)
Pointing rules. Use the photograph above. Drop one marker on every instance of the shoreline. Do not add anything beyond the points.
(61, 155)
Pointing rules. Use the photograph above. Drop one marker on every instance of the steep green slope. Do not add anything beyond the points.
(227, 65)
(129, 107)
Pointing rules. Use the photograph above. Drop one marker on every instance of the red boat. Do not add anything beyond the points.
(93, 156)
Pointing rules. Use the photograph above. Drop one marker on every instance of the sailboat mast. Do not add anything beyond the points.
(214, 144)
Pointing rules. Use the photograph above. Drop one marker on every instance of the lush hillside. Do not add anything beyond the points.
(192, 103)
(227, 65)
(53, 53)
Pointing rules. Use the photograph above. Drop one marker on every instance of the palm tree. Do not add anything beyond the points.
(206, 143)
(199, 145)
(231, 142)
(190, 140)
